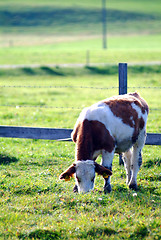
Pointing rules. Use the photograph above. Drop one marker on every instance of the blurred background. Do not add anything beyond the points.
(57, 32)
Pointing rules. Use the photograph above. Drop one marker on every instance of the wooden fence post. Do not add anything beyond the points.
(122, 89)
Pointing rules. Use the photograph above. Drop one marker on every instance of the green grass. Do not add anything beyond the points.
(57, 97)
(34, 203)
(121, 49)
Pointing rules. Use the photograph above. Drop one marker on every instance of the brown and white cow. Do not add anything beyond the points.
(116, 124)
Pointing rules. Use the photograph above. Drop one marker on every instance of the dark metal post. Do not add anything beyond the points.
(122, 89)
(122, 78)
(104, 29)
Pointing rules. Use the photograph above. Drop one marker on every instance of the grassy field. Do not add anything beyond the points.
(34, 203)
(66, 50)
(59, 84)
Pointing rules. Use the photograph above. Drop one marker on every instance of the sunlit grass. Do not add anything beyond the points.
(34, 203)
(120, 49)
(40, 205)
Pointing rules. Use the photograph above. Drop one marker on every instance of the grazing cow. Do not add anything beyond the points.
(113, 125)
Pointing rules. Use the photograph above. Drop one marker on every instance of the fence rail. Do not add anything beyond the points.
(35, 133)
(59, 134)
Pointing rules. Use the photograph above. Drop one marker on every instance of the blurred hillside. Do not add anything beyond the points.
(85, 18)
(54, 31)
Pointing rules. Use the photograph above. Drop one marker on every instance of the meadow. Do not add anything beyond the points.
(34, 203)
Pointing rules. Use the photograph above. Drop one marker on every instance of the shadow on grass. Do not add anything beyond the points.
(28, 71)
(41, 234)
(149, 188)
(51, 71)
(140, 233)
(151, 163)
(98, 232)
(69, 71)
(104, 70)
(6, 160)
(42, 70)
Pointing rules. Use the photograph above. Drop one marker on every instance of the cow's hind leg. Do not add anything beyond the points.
(75, 189)
(107, 159)
(136, 160)
(127, 164)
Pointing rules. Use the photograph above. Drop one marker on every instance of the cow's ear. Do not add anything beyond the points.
(101, 170)
(68, 173)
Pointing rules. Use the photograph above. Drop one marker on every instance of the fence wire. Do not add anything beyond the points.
(66, 86)
(69, 86)
(54, 107)
(5, 86)
(44, 106)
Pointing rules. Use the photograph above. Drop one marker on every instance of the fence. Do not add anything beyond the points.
(64, 134)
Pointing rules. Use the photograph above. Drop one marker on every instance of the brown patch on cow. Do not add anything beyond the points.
(84, 144)
(141, 103)
(138, 126)
(101, 137)
(75, 132)
(67, 174)
(121, 106)
(142, 123)
(101, 170)
(91, 136)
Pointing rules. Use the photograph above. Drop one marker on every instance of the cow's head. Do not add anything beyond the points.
(84, 172)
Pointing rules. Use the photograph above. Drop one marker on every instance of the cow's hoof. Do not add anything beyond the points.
(107, 189)
(75, 189)
(133, 186)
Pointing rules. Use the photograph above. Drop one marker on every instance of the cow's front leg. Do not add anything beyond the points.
(107, 159)
(107, 186)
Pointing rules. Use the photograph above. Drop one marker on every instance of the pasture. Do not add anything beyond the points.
(34, 203)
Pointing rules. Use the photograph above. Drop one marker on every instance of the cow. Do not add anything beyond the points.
(114, 125)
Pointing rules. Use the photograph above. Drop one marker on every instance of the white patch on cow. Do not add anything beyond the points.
(132, 119)
(96, 154)
(139, 112)
(85, 175)
(137, 109)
